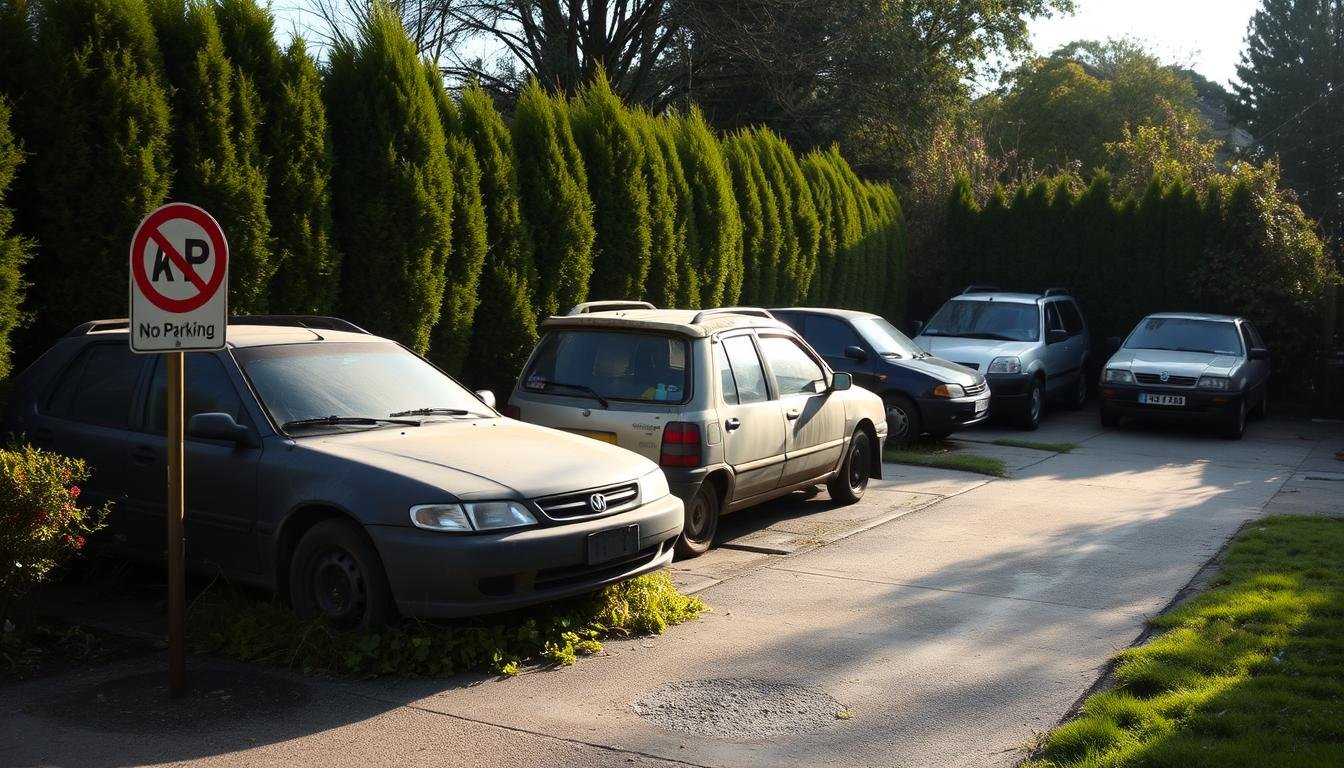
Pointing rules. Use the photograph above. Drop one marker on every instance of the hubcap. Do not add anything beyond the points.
(1035, 403)
(697, 520)
(898, 422)
(858, 463)
(338, 586)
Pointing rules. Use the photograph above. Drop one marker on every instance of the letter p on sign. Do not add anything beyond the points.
(179, 281)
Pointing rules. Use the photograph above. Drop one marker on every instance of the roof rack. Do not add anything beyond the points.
(314, 322)
(589, 307)
(975, 288)
(1056, 292)
(93, 326)
(753, 311)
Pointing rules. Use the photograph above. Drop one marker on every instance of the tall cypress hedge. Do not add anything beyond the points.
(14, 250)
(668, 238)
(718, 244)
(740, 160)
(392, 184)
(684, 221)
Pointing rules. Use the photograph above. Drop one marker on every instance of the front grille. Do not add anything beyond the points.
(1172, 381)
(972, 366)
(571, 506)
(975, 389)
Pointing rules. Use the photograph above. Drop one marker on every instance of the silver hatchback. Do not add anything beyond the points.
(732, 404)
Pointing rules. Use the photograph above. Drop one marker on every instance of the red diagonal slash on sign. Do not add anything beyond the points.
(151, 229)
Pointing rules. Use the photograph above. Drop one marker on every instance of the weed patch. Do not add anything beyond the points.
(228, 621)
(1250, 673)
(940, 455)
(1009, 442)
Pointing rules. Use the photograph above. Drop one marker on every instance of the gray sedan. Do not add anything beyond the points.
(346, 473)
(1183, 365)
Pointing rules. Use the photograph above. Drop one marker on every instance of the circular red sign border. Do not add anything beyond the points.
(152, 223)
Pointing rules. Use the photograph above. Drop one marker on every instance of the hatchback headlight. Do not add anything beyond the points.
(1118, 376)
(473, 516)
(653, 486)
(949, 390)
(1005, 365)
(1212, 382)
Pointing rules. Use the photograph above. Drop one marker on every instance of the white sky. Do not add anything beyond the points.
(1206, 35)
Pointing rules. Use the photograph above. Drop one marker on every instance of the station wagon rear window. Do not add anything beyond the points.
(615, 365)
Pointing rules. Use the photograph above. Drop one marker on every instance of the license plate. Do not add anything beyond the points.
(606, 437)
(610, 545)
(1151, 398)
(981, 406)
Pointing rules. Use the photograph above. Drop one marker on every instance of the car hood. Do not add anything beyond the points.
(978, 352)
(940, 369)
(488, 458)
(1174, 363)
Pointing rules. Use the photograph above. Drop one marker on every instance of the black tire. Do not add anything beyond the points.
(1261, 410)
(336, 574)
(848, 486)
(1078, 395)
(702, 521)
(1235, 425)
(1030, 418)
(1109, 416)
(904, 425)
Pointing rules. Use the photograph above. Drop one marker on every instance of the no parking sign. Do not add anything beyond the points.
(179, 281)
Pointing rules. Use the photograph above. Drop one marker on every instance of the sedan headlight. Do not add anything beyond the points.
(1005, 365)
(1212, 382)
(653, 486)
(1118, 376)
(949, 390)
(473, 516)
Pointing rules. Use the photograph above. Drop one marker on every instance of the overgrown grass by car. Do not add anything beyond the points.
(1009, 442)
(940, 454)
(231, 622)
(1250, 673)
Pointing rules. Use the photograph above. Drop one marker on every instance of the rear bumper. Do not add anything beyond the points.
(437, 575)
(1199, 405)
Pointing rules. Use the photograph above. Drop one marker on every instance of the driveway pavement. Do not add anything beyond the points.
(942, 621)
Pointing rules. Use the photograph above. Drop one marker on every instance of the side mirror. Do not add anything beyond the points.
(1257, 353)
(218, 426)
(856, 353)
(841, 382)
(1056, 335)
(486, 396)
(916, 326)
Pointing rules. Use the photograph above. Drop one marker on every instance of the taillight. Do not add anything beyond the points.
(513, 412)
(681, 445)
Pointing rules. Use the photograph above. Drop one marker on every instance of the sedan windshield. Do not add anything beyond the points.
(884, 337)
(1000, 320)
(351, 384)
(1179, 334)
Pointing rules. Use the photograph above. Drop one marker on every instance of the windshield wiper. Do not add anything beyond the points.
(578, 387)
(432, 412)
(985, 335)
(364, 421)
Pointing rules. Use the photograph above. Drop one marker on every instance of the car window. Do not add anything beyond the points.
(1073, 319)
(1246, 337)
(619, 365)
(1002, 320)
(1255, 336)
(829, 335)
(98, 387)
(885, 339)
(794, 370)
(748, 374)
(726, 382)
(1053, 322)
(1181, 334)
(208, 390)
(349, 379)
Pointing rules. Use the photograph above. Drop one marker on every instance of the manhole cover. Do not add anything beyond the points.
(737, 708)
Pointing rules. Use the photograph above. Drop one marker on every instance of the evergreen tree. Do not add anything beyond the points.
(461, 294)
(392, 184)
(14, 250)
(803, 237)
(500, 347)
(848, 231)
(613, 159)
(555, 198)
(718, 227)
(308, 265)
(820, 184)
(740, 160)
(16, 54)
(96, 130)
(667, 242)
(218, 162)
(785, 253)
(686, 237)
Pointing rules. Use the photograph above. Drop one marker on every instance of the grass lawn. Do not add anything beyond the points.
(1053, 447)
(1250, 673)
(941, 455)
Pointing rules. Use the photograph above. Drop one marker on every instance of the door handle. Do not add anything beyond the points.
(732, 424)
(793, 413)
(143, 454)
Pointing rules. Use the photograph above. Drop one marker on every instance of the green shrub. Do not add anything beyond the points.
(14, 250)
(41, 522)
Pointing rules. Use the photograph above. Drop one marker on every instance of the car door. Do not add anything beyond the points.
(830, 337)
(1060, 364)
(816, 420)
(754, 432)
(1257, 371)
(220, 475)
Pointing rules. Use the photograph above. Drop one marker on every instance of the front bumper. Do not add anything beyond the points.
(1009, 392)
(942, 415)
(1200, 405)
(439, 575)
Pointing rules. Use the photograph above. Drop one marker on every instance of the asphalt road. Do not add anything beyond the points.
(942, 621)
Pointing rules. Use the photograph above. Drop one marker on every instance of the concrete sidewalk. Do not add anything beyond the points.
(957, 618)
